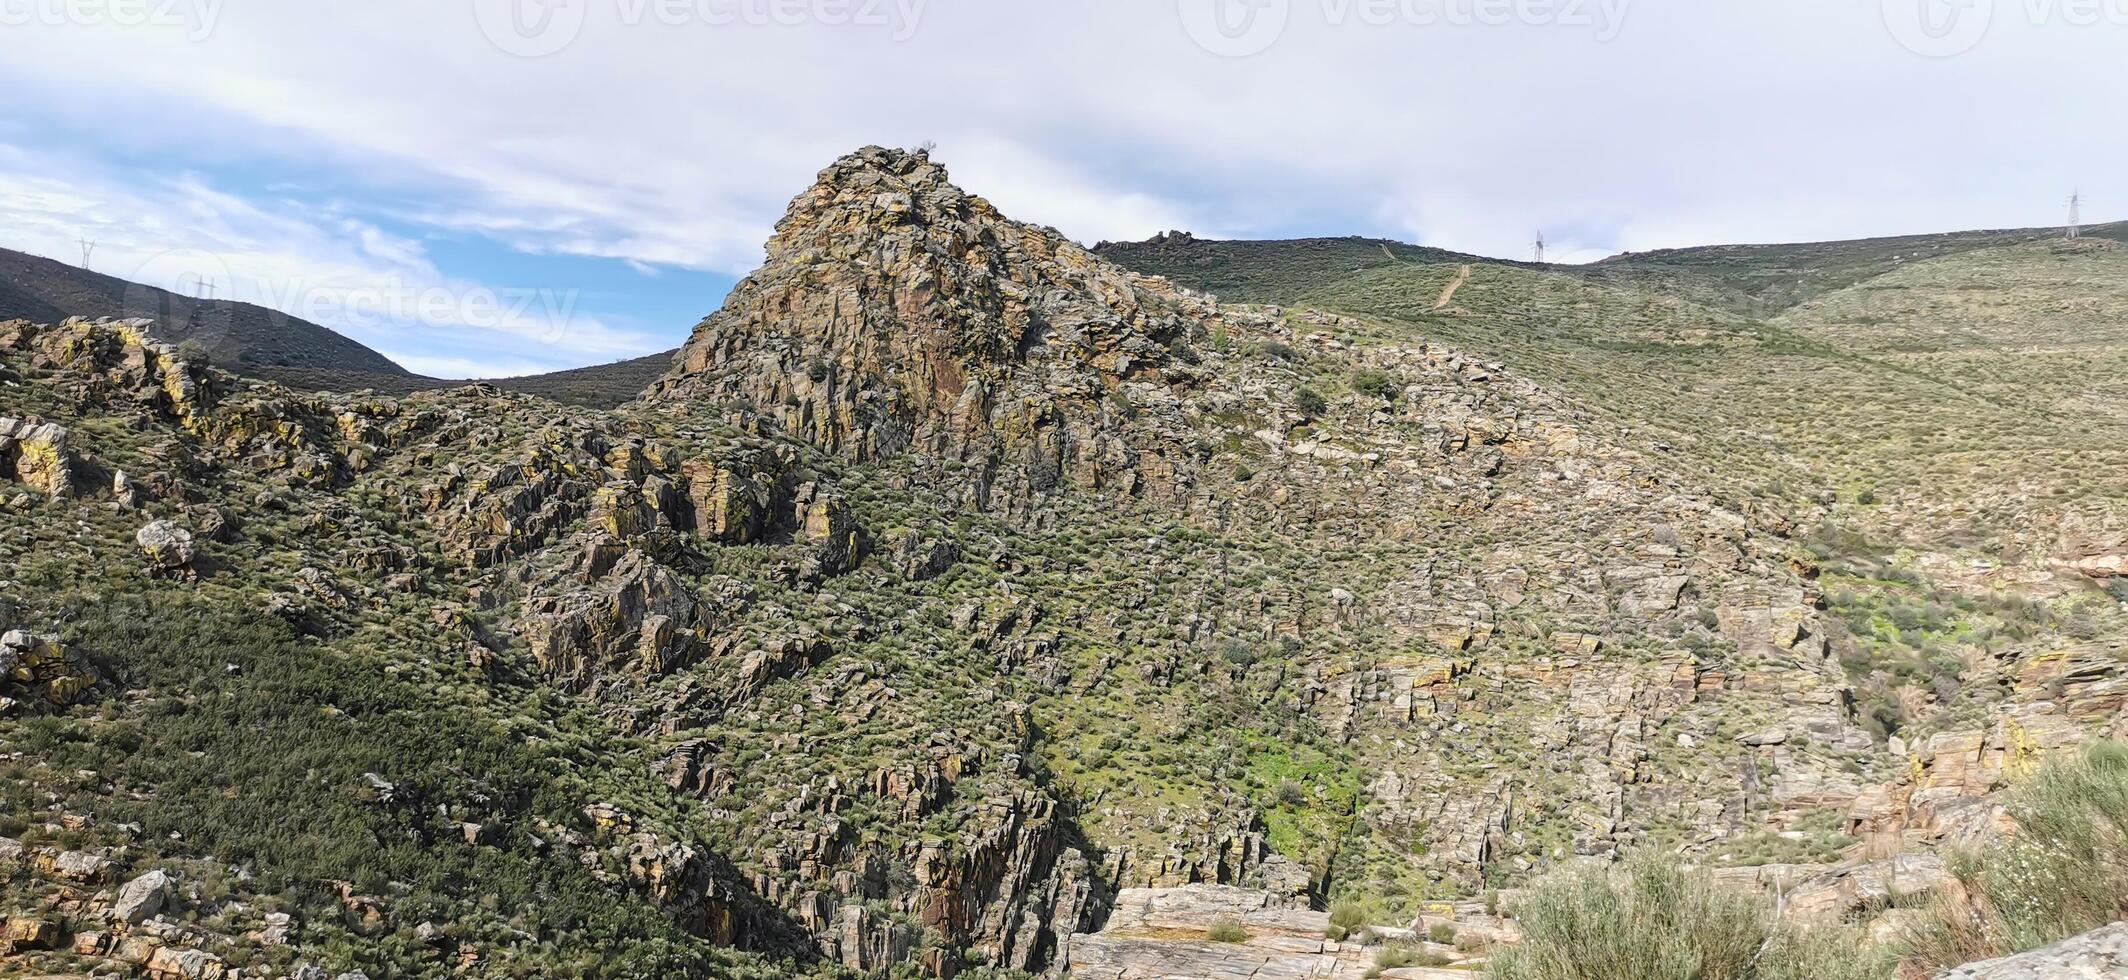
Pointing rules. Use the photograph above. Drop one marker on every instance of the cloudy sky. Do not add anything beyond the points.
(483, 187)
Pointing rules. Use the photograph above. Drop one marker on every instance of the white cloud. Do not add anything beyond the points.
(179, 233)
(679, 145)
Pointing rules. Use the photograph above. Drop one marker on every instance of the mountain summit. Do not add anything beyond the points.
(896, 311)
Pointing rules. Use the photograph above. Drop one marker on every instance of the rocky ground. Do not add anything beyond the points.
(961, 602)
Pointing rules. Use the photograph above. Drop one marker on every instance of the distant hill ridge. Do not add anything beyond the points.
(275, 346)
(1755, 280)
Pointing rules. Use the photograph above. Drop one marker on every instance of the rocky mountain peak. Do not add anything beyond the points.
(895, 311)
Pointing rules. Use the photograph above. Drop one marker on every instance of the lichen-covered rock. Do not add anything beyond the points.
(35, 453)
(167, 546)
(42, 669)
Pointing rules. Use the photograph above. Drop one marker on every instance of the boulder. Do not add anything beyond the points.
(167, 546)
(142, 897)
(35, 453)
(25, 932)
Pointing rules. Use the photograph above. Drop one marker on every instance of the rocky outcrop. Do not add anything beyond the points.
(920, 558)
(2098, 955)
(42, 670)
(1948, 794)
(632, 617)
(896, 312)
(1845, 893)
(1216, 931)
(35, 453)
(742, 500)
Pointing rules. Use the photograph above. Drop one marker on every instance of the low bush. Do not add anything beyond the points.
(2064, 873)
(1652, 920)
(1227, 931)
(1345, 918)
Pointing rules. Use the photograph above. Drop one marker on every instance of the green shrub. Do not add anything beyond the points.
(1652, 920)
(2064, 873)
(1227, 931)
(1310, 402)
(1344, 917)
(1442, 932)
(1375, 384)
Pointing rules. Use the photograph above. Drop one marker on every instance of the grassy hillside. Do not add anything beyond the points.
(1943, 433)
(598, 386)
(1956, 373)
(1265, 272)
(1766, 279)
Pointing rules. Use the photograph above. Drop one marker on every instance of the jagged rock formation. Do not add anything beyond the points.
(897, 313)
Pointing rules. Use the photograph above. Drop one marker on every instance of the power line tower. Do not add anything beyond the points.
(1540, 248)
(207, 285)
(2076, 216)
(87, 248)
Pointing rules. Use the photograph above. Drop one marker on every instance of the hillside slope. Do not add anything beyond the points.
(1939, 436)
(1264, 272)
(1767, 279)
(958, 603)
